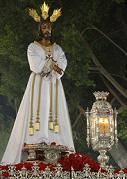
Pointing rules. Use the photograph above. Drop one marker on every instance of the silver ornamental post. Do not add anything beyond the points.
(101, 126)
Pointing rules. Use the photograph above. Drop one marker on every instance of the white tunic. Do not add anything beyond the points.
(20, 135)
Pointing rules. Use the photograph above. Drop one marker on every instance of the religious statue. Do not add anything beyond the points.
(43, 114)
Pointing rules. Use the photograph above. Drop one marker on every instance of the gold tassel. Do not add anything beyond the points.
(31, 131)
(31, 128)
(50, 125)
(37, 126)
(56, 125)
(37, 123)
(56, 128)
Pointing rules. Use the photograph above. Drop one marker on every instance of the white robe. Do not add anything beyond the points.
(20, 135)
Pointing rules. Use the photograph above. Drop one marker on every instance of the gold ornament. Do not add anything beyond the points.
(31, 131)
(33, 13)
(44, 11)
(56, 125)
(56, 128)
(56, 13)
(31, 128)
(51, 125)
(37, 126)
(37, 123)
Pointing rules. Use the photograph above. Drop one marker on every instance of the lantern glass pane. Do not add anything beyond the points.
(103, 125)
(93, 126)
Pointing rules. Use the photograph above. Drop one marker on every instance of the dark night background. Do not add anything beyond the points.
(93, 35)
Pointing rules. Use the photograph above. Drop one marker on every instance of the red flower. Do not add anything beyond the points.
(4, 167)
(74, 160)
(71, 156)
(53, 143)
(125, 170)
(19, 166)
(42, 166)
(77, 162)
(117, 171)
(51, 166)
(66, 164)
(28, 165)
(5, 174)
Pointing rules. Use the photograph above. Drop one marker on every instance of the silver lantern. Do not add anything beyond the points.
(101, 126)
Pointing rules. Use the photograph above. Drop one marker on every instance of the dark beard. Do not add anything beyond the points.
(46, 36)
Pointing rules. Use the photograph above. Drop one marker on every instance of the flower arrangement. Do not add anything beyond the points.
(75, 161)
(70, 162)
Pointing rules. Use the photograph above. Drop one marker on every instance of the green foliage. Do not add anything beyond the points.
(122, 124)
(78, 63)
(119, 1)
(6, 123)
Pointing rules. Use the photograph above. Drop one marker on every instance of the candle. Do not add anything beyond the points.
(103, 125)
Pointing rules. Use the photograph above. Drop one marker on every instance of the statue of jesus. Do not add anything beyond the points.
(43, 114)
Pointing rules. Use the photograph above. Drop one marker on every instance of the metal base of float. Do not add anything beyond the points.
(44, 152)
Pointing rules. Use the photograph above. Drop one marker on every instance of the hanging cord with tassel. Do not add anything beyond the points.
(37, 123)
(56, 125)
(50, 114)
(31, 127)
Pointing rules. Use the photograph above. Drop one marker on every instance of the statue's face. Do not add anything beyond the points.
(45, 29)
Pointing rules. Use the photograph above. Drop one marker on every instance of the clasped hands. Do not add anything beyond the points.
(55, 67)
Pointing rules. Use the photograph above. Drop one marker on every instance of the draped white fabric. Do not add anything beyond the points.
(19, 135)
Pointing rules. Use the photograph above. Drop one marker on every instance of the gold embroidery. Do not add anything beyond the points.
(31, 128)
(37, 123)
(50, 113)
(56, 126)
(47, 49)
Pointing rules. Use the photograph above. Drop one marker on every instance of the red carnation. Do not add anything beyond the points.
(42, 166)
(53, 143)
(4, 167)
(18, 166)
(125, 170)
(5, 174)
(28, 166)
(51, 166)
